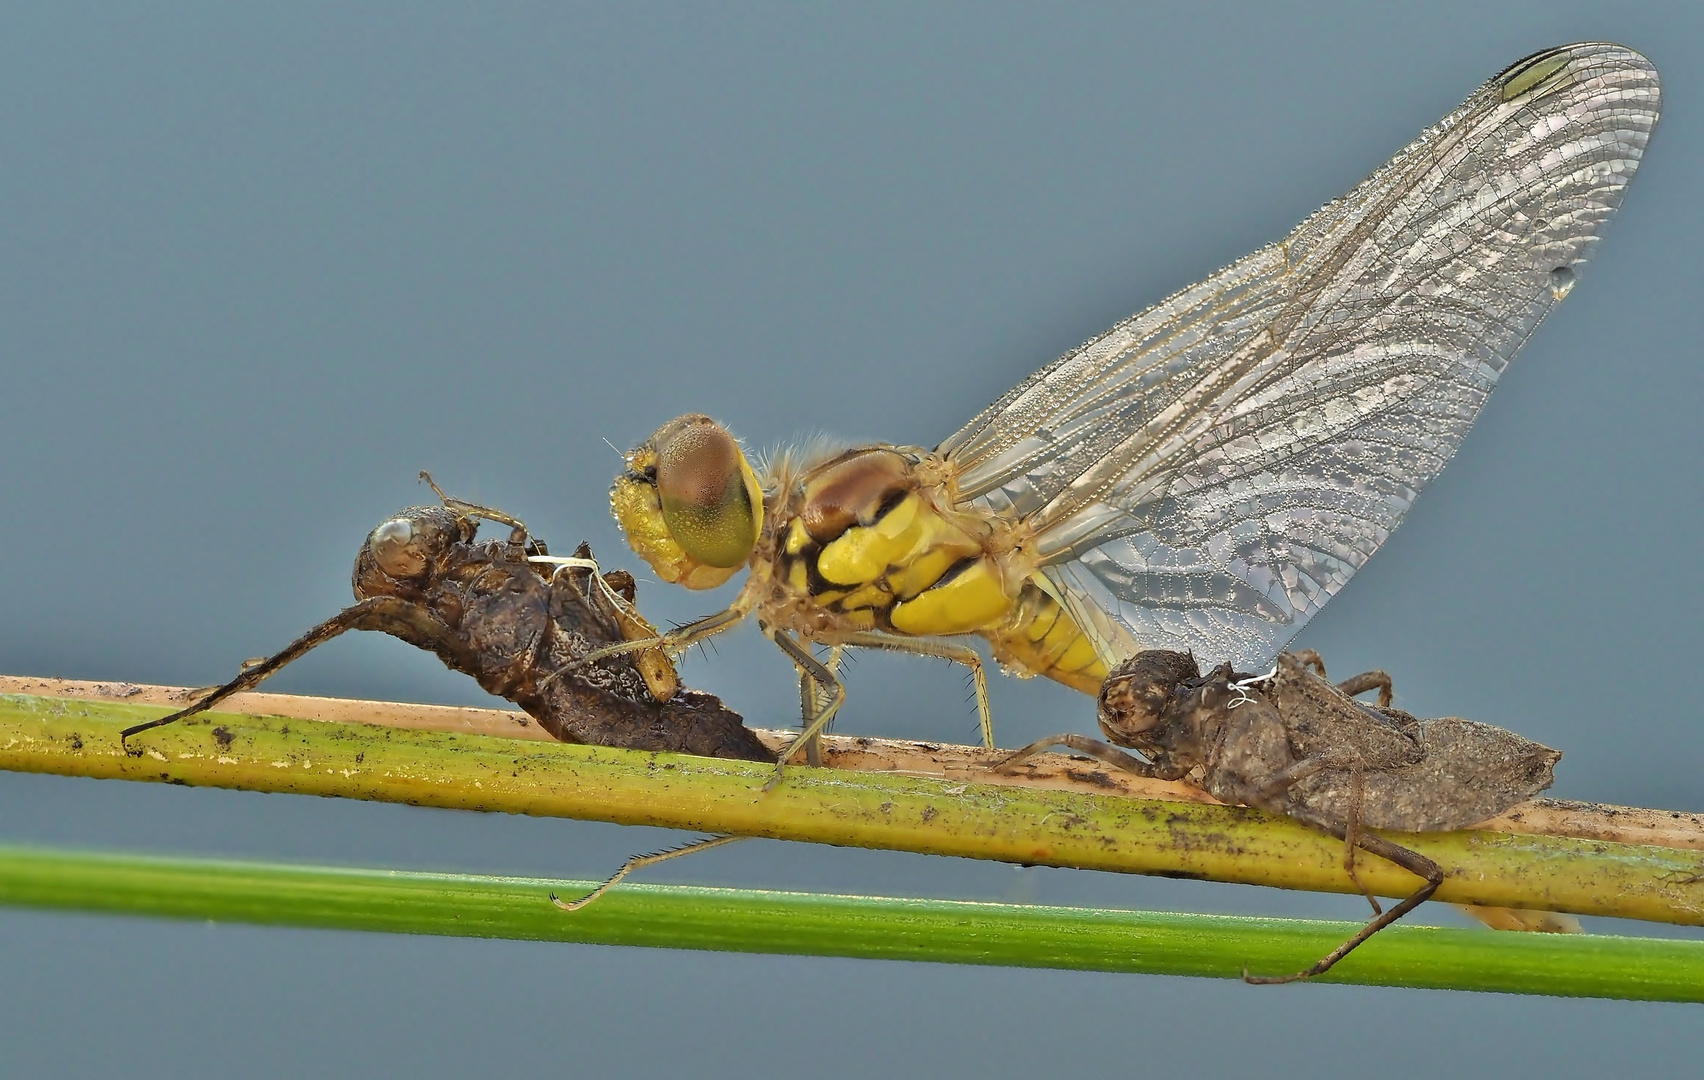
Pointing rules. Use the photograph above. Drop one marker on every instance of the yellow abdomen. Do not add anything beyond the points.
(1041, 638)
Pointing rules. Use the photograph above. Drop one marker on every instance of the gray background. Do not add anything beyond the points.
(258, 265)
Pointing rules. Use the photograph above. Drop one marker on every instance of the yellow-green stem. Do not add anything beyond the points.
(862, 809)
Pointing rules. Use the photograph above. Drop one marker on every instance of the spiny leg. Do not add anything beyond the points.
(1273, 796)
(810, 704)
(639, 862)
(672, 643)
(942, 650)
(820, 710)
(1412, 861)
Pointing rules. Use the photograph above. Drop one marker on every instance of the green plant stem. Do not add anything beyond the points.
(863, 809)
(732, 920)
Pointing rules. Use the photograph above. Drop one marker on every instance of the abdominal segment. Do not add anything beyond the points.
(869, 547)
(1041, 638)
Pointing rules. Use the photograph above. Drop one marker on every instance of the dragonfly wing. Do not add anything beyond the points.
(1210, 472)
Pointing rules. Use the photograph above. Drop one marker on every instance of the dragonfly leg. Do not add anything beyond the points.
(819, 702)
(810, 704)
(467, 509)
(653, 663)
(370, 614)
(1412, 861)
(672, 643)
(639, 862)
(943, 650)
(1369, 680)
(1311, 658)
(1083, 744)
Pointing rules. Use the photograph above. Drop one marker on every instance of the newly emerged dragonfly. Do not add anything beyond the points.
(1205, 475)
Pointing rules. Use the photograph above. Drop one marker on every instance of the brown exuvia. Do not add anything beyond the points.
(505, 613)
(1294, 744)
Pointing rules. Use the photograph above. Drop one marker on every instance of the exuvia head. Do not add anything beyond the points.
(1140, 691)
(689, 502)
(406, 547)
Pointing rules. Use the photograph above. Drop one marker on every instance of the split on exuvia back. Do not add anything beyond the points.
(1205, 475)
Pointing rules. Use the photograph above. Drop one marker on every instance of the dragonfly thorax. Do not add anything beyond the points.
(866, 541)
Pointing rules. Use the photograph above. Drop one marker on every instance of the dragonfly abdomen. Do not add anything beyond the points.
(1040, 638)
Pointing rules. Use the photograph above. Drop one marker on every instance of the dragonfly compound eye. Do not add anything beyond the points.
(690, 503)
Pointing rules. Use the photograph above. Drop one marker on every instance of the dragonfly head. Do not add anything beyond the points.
(689, 502)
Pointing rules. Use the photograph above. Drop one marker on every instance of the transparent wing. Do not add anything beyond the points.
(1210, 472)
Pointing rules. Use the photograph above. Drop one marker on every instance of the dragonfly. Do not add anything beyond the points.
(1204, 476)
